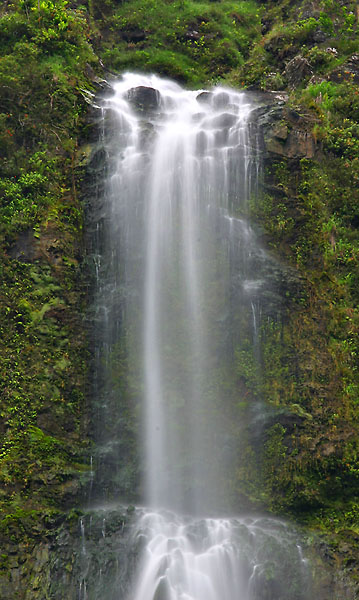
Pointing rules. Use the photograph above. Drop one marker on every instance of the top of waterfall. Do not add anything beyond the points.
(166, 95)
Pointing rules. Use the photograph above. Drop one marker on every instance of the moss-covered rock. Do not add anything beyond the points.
(67, 555)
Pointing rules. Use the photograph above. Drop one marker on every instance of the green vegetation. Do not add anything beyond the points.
(308, 465)
(325, 35)
(320, 334)
(187, 40)
(44, 53)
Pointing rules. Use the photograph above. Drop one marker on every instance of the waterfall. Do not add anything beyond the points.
(189, 191)
(182, 280)
(218, 559)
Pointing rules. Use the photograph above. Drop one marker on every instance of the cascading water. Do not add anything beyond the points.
(190, 186)
(183, 282)
(212, 559)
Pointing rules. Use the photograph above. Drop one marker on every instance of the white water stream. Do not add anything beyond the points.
(212, 559)
(184, 167)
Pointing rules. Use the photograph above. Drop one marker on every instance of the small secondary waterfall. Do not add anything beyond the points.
(182, 280)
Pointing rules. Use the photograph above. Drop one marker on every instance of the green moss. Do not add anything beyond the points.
(42, 349)
(190, 41)
(286, 33)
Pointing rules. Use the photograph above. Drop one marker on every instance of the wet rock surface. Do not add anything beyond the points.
(204, 97)
(80, 557)
(285, 132)
(221, 100)
(23, 248)
(144, 98)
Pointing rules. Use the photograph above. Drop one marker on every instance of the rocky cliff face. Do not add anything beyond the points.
(75, 556)
(308, 445)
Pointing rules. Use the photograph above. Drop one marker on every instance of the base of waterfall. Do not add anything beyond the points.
(240, 558)
(145, 554)
(120, 552)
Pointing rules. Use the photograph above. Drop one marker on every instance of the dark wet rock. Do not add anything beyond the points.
(204, 97)
(221, 100)
(24, 247)
(225, 120)
(144, 98)
(297, 71)
(113, 122)
(266, 117)
(28, 248)
(103, 84)
(319, 36)
(90, 552)
(298, 144)
(286, 133)
(99, 82)
(134, 35)
(97, 160)
(269, 102)
(280, 130)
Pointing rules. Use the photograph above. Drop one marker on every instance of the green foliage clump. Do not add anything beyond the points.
(289, 31)
(323, 93)
(45, 52)
(187, 40)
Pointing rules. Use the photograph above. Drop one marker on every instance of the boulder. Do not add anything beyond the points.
(144, 98)
(221, 100)
(204, 97)
(224, 121)
(286, 133)
(297, 71)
